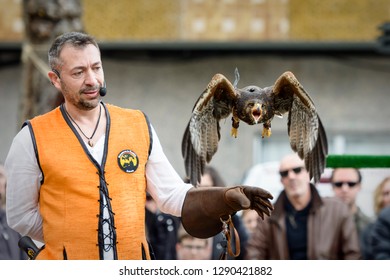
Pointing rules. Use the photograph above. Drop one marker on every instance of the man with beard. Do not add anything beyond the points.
(78, 175)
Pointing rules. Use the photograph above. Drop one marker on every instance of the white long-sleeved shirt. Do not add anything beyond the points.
(24, 177)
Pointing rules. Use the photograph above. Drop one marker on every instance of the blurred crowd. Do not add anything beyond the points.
(303, 225)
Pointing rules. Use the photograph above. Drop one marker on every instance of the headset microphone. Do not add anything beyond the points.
(103, 90)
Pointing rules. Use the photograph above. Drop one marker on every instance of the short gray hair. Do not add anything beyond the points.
(75, 39)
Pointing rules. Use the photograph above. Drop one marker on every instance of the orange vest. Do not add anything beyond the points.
(74, 183)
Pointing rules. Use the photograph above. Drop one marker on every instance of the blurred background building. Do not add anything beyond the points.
(219, 20)
(159, 55)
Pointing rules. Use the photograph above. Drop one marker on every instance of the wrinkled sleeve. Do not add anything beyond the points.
(163, 183)
(23, 184)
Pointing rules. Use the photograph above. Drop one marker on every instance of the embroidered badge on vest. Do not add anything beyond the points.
(128, 161)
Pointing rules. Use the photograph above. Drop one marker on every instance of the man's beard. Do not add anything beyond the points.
(81, 103)
(87, 104)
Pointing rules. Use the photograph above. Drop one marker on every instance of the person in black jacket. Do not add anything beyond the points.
(381, 201)
(9, 238)
(161, 231)
(380, 241)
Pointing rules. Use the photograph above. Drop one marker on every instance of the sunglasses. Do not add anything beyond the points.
(296, 170)
(340, 184)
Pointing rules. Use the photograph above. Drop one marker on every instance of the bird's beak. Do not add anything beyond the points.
(257, 112)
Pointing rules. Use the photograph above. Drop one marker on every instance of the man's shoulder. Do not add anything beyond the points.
(113, 107)
(333, 201)
(45, 116)
(334, 204)
(362, 217)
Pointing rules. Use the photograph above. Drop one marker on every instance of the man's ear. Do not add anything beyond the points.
(54, 79)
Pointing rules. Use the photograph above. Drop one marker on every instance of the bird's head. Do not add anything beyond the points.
(253, 105)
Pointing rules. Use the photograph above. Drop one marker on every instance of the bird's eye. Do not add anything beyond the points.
(252, 90)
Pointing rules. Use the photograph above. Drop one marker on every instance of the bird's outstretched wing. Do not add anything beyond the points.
(201, 137)
(305, 130)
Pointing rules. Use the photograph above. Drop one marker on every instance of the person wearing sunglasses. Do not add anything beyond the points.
(304, 225)
(346, 184)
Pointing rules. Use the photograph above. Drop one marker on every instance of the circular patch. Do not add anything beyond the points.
(128, 161)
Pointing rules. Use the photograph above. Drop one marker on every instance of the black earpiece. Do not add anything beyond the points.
(103, 90)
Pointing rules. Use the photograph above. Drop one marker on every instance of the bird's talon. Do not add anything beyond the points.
(234, 132)
(266, 132)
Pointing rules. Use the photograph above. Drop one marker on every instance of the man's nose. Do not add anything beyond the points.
(345, 187)
(90, 77)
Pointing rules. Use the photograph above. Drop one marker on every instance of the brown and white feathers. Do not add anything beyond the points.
(254, 105)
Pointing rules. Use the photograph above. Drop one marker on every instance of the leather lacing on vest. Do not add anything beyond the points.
(106, 229)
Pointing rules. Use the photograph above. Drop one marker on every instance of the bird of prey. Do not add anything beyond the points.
(253, 105)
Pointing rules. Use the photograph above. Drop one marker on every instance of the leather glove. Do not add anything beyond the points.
(204, 207)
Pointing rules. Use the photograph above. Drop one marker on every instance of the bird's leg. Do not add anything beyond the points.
(235, 125)
(266, 130)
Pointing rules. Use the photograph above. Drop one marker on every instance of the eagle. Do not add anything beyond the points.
(254, 105)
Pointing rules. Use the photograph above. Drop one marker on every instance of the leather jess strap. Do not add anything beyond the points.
(228, 230)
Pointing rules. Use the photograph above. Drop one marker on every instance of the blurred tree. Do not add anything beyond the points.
(44, 20)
